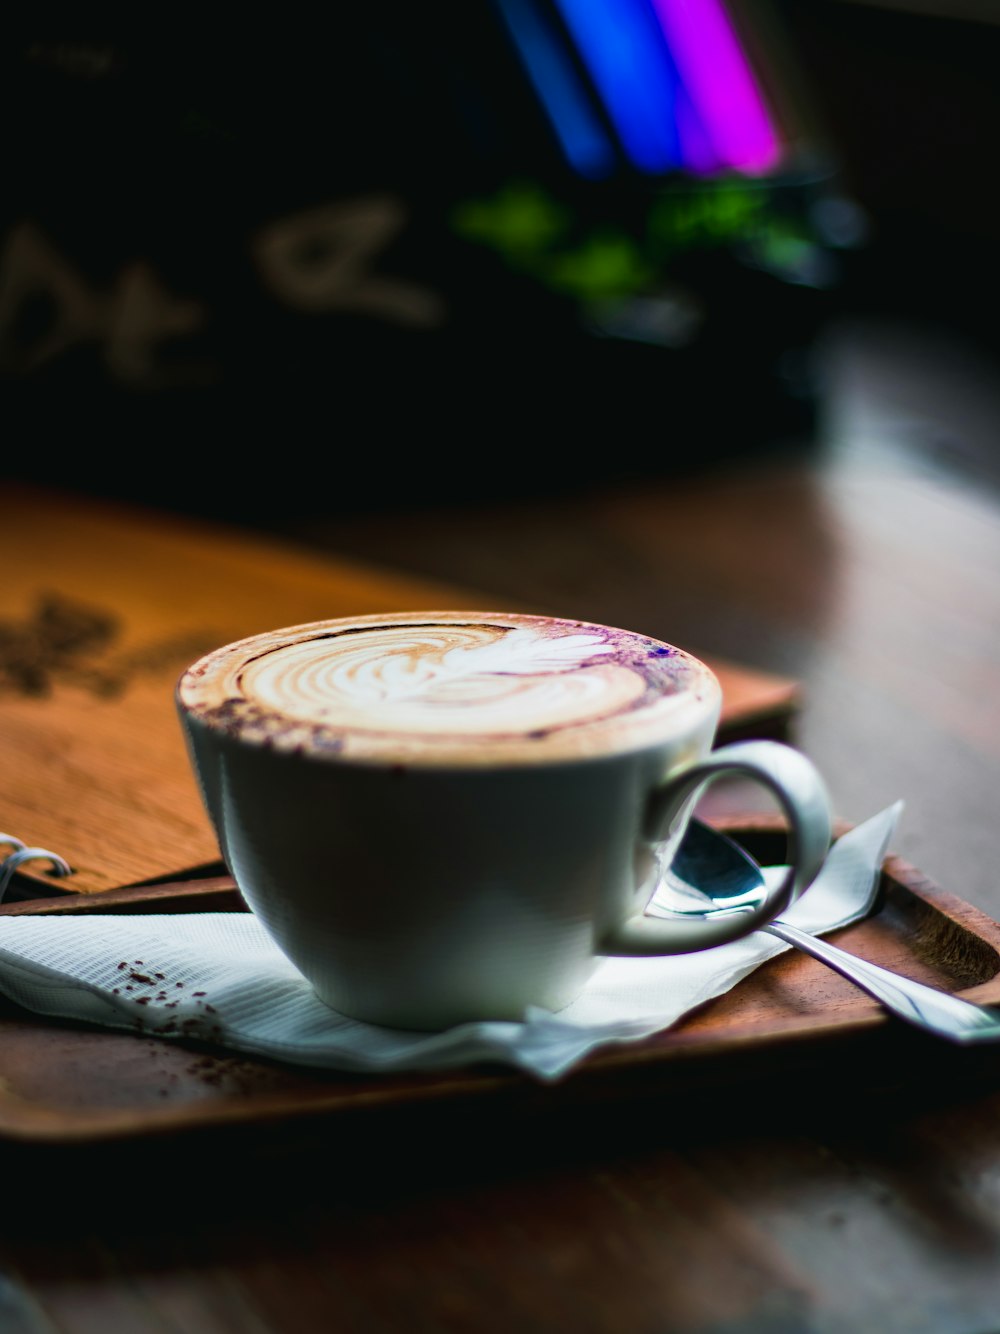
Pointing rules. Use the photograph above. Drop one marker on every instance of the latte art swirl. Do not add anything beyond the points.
(464, 680)
(440, 685)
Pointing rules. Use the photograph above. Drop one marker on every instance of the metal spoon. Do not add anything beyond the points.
(710, 869)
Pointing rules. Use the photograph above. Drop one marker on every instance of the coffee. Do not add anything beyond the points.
(479, 688)
(448, 816)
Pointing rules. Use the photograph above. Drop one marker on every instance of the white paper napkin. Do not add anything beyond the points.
(216, 977)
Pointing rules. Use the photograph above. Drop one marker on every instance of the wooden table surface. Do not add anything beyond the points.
(866, 564)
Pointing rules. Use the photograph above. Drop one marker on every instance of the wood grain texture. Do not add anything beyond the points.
(101, 608)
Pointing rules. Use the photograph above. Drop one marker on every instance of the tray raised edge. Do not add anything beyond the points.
(203, 1089)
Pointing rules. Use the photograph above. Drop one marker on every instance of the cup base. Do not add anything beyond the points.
(416, 1016)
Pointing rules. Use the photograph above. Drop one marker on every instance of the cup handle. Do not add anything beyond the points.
(803, 796)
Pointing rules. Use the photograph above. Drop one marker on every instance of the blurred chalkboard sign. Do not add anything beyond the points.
(362, 251)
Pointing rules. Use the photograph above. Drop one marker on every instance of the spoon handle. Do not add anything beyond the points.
(927, 1008)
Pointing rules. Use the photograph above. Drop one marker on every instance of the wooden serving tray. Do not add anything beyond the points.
(102, 605)
(67, 1083)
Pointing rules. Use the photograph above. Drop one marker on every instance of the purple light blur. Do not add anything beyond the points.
(713, 68)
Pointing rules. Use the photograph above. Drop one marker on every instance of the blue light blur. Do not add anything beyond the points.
(583, 140)
(626, 54)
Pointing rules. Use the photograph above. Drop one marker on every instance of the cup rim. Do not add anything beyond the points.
(207, 693)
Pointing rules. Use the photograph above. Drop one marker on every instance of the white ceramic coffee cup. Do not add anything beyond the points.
(421, 878)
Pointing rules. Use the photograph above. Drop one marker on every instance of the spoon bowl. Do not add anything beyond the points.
(712, 875)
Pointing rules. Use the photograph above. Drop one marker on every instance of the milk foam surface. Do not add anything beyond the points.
(479, 688)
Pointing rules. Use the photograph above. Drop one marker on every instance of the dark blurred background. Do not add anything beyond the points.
(262, 267)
